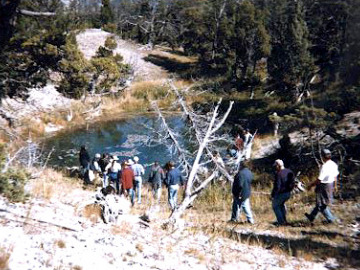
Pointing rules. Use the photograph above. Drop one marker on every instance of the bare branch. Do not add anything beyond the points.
(37, 14)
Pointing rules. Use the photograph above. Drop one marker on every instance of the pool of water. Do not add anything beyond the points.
(124, 138)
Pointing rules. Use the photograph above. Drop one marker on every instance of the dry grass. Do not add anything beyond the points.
(51, 184)
(5, 254)
(183, 59)
(92, 212)
(60, 243)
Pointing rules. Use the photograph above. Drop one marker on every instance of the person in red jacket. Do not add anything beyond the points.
(127, 179)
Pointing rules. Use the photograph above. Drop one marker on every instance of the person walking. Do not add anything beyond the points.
(173, 179)
(156, 177)
(139, 171)
(241, 191)
(283, 183)
(94, 169)
(324, 189)
(84, 159)
(114, 169)
(103, 163)
(248, 142)
(127, 179)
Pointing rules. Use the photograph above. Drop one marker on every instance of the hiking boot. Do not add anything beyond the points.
(232, 221)
(309, 217)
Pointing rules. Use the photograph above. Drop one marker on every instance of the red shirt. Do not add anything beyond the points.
(127, 178)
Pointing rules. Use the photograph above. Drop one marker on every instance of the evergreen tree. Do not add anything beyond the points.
(106, 15)
(290, 62)
(250, 42)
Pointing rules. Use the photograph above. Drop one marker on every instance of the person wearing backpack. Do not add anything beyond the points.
(283, 184)
(156, 178)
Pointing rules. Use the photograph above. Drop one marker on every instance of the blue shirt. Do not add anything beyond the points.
(174, 177)
(242, 184)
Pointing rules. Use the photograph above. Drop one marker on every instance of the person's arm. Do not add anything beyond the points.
(314, 183)
(276, 187)
(335, 183)
(142, 170)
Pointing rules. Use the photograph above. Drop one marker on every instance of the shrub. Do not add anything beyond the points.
(110, 27)
(12, 185)
(75, 69)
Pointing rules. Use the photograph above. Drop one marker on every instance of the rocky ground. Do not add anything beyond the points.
(54, 234)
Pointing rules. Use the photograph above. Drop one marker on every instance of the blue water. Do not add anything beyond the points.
(124, 138)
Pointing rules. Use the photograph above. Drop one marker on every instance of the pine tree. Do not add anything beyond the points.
(290, 62)
(106, 15)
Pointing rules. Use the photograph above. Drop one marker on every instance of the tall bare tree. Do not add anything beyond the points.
(205, 128)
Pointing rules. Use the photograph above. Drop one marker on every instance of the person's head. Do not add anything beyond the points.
(171, 164)
(279, 165)
(156, 163)
(136, 159)
(97, 156)
(327, 154)
(83, 148)
(130, 162)
(114, 159)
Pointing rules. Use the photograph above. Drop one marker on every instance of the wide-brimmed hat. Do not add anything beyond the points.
(327, 152)
(114, 158)
(136, 159)
(129, 162)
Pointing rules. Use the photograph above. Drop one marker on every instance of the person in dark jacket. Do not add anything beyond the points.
(281, 190)
(173, 179)
(241, 191)
(103, 163)
(84, 159)
(156, 177)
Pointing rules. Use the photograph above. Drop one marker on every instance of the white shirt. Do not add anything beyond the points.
(114, 167)
(138, 171)
(329, 171)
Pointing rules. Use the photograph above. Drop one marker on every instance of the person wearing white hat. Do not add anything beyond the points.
(114, 169)
(139, 171)
(281, 190)
(324, 188)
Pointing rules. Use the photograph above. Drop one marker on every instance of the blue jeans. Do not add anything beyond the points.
(138, 190)
(157, 194)
(239, 205)
(131, 193)
(278, 204)
(325, 210)
(105, 180)
(114, 177)
(173, 191)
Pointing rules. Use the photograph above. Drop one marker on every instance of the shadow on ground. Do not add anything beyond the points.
(345, 255)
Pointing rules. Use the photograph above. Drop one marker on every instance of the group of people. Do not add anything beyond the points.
(127, 176)
(283, 185)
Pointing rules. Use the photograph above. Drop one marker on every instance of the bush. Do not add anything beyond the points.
(12, 185)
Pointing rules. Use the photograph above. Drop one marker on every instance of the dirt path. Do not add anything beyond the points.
(90, 40)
